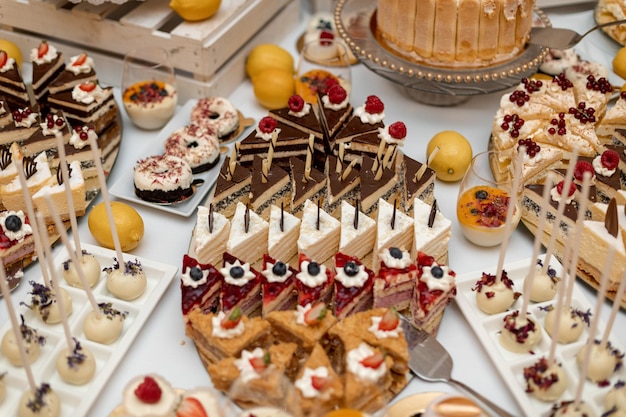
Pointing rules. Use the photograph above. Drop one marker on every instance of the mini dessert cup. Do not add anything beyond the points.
(149, 87)
(322, 63)
(483, 202)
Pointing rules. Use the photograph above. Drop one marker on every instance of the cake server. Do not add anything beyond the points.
(561, 38)
(430, 361)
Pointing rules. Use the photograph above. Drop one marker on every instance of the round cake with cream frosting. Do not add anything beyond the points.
(455, 33)
(163, 179)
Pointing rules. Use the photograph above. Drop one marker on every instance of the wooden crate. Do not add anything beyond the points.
(209, 56)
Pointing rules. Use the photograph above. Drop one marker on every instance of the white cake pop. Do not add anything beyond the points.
(32, 344)
(91, 268)
(126, 283)
(571, 324)
(545, 381)
(495, 296)
(615, 400)
(570, 409)
(604, 360)
(544, 284)
(520, 334)
(105, 327)
(44, 303)
(43, 402)
(3, 387)
(76, 367)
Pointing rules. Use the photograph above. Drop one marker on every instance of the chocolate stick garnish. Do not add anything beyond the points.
(433, 213)
(317, 224)
(611, 222)
(5, 158)
(393, 216)
(282, 216)
(246, 219)
(29, 165)
(356, 215)
(211, 220)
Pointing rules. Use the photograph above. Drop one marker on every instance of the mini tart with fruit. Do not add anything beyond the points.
(354, 284)
(434, 290)
(495, 295)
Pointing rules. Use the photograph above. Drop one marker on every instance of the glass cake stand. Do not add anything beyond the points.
(356, 24)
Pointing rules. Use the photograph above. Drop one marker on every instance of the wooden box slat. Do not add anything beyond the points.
(150, 14)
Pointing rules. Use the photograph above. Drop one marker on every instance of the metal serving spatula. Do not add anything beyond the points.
(430, 361)
(561, 38)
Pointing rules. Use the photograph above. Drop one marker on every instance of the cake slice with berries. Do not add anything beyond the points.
(393, 228)
(333, 109)
(80, 69)
(365, 119)
(306, 326)
(594, 91)
(248, 234)
(278, 284)
(319, 233)
(200, 286)
(38, 175)
(344, 184)
(607, 175)
(17, 244)
(572, 130)
(358, 232)
(47, 64)
(282, 237)
(432, 231)
(395, 280)
(25, 121)
(536, 163)
(319, 387)
(260, 369)
(12, 83)
(225, 334)
(353, 286)
(209, 236)
(314, 282)
(418, 181)
(241, 287)
(300, 115)
(45, 139)
(231, 187)
(435, 288)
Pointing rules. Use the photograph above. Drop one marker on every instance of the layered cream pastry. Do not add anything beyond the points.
(241, 287)
(379, 182)
(395, 280)
(232, 186)
(358, 232)
(38, 175)
(269, 185)
(278, 286)
(79, 69)
(283, 233)
(432, 231)
(52, 127)
(248, 234)
(418, 181)
(210, 236)
(12, 83)
(344, 184)
(26, 120)
(47, 65)
(307, 183)
(319, 233)
(57, 192)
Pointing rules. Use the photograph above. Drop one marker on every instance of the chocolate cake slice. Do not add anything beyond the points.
(269, 186)
(305, 185)
(12, 83)
(289, 142)
(232, 186)
(377, 182)
(417, 181)
(80, 69)
(344, 183)
(47, 65)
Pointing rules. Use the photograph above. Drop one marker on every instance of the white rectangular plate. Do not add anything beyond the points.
(124, 188)
(511, 365)
(76, 400)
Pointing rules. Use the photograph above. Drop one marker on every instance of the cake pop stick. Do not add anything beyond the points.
(6, 293)
(558, 309)
(569, 175)
(65, 174)
(543, 211)
(107, 201)
(508, 227)
(30, 210)
(72, 254)
(621, 290)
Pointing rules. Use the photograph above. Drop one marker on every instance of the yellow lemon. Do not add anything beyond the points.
(266, 56)
(452, 158)
(195, 10)
(619, 62)
(273, 87)
(128, 223)
(12, 50)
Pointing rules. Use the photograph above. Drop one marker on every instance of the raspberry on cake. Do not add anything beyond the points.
(222, 335)
(210, 235)
(278, 284)
(366, 118)
(200, 286)
(334, 109)
(395, 282)
(319, 387)
(354, 285)
(274, 138)
(241, 287)
(434, 290)
(314, 282)
(306, 326)
(300, 115)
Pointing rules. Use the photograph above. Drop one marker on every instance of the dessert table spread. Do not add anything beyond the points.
(162, 346)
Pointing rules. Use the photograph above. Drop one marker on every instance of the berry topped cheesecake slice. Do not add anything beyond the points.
(434, 290)
(241, 287)
(353, 286)
(199, 286)
(278, 283)
(394, 283)
(314, 282)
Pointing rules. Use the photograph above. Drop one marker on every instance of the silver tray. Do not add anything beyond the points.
(356, 24)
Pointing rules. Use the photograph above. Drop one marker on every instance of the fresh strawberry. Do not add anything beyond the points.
(315, 314)
(561, 184)
(267, 124)
(42, 49)
(80, 60)
(231, 320)
(374, 360)
(320, 382)
(374, 105)
(191, 407)
(260, 363)
(148, 391)
(88, 86)
(582, 167)
(295, 103)
(336, 94)
(609, 159)
(390, 320)
(4, 57)
(397, 130)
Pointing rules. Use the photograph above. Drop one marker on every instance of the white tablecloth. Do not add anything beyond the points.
(162, 346)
